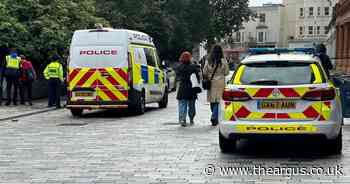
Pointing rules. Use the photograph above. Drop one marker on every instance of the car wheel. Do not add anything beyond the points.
(164, 102)
(140, 103)
(227, 145)
(77, 112)
(335, 146)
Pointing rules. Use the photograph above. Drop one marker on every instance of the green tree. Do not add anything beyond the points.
(38, 27)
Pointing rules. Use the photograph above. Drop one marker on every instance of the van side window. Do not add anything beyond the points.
(150, 57)
(139, 56)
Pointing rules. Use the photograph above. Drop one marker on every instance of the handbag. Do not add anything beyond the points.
(206, 84)
(195, 84)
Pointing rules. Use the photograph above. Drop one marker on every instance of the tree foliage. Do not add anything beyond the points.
(37, 27)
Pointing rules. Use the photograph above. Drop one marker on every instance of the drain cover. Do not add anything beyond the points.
(171, 123)
(73, 124)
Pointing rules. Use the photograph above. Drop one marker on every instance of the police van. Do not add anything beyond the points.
(112, 69)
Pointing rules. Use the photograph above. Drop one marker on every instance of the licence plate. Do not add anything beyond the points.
(280, 105)
(84, 94)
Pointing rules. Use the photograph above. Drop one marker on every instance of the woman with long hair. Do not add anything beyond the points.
(215, 69)
(186, 95)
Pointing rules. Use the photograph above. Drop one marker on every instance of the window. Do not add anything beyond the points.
(261, 37)
(262, 18)
(242, 37)
(325, 30)
(150, 56)
(311, 30)
(318, 30)
(139, 56)
(301, 30)
(238, 37)
(301, 13)
(326, 11)
(311, 11)
(319, 11)
(289, 73)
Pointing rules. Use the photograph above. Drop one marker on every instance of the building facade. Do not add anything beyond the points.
(266, 30)
(307, 21)
(343, 36)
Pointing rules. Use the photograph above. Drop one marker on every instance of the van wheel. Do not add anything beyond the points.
(164, 103)
(140, 106)
(227, 145)
(335, 146)
(77, 112)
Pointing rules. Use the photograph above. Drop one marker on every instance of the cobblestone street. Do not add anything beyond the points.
(118, 147)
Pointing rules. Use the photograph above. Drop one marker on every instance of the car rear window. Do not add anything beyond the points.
(279, 73)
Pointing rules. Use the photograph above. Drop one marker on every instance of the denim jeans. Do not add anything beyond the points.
(185, 105)
(214, 111)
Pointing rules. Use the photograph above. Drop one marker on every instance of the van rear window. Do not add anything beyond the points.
(279, 73)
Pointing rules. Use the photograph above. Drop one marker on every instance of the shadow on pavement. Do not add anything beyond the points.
(115, 113)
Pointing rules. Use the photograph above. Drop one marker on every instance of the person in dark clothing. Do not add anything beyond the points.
(186, 95)
(3, 51)
(12, 73)
(321, 52)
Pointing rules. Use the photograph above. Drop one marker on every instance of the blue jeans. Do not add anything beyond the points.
(183, 106)
(214, 111)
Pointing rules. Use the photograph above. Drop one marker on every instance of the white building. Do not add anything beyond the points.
(307, 21)
(266, 30)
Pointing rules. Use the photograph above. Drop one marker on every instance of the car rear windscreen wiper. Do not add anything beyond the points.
(265, 82)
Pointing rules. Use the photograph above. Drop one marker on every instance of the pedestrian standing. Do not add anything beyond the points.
(186, 96)
(54, 74)
(215, 70)
(27, 77)
(321, 52)
(12, 73)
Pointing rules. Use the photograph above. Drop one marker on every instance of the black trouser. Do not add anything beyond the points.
(23, 87)
(54, 92)
(1, 86)
(12, 81)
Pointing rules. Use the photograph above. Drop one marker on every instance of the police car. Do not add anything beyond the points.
(281, 92)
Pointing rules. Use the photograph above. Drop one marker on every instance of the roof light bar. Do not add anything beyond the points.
(259, 51)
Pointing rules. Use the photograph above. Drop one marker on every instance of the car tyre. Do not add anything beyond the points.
(335, 146)
(140, 106)
(164, 102)
(227, 145)
(77, 112)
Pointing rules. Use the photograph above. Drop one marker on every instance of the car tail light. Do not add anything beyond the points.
(235, 95)
(320, 95)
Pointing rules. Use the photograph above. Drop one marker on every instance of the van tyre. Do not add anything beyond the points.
(164, 102)
(77, 112)
(335, 146)
(227, 145)
(140, 106)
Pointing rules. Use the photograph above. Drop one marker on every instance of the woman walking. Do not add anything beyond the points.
(186, 95)
(215, 70)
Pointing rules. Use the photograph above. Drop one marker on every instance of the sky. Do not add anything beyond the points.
(260, 2)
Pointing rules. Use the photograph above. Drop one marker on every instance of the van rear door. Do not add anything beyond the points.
(101, 70)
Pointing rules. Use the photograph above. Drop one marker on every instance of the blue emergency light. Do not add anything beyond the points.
(259, 51)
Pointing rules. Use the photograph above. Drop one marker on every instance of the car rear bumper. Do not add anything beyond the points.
(247, 129)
